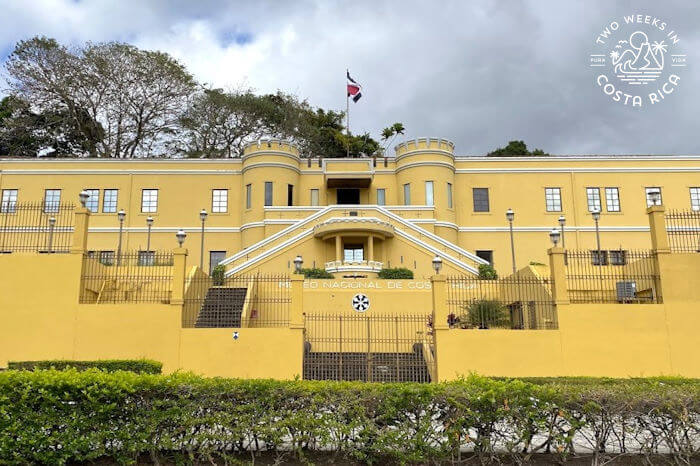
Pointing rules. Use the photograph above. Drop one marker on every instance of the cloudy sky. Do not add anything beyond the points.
(477, 72)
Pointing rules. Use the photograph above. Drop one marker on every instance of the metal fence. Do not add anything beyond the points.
(240, 301)
(516, 302)
(683, 228)
(617, 276)
(131, 277)
(369, 348)
(36, 227)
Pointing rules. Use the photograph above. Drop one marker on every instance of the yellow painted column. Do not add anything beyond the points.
(557, 267)
(80, 232)
(370, 248)
(179, 269)
(657, 225)
(338, 248)
(440, 315)
(296, 318)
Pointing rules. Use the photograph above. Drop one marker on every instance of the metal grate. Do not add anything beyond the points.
(683, 228)
(369, 348)
(240, 301)
(514, 302)
(130, 277)
(617, 276)
(36, 227)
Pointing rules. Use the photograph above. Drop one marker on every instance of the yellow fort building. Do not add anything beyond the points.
(277, 265)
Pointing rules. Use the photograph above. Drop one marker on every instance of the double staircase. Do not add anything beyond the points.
(222, 307)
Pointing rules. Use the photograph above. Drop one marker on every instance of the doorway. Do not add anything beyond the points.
(348, 196)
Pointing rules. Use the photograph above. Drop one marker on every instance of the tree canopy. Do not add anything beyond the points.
(515, 149)
(115, 100)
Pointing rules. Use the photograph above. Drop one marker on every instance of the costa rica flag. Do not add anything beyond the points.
(354, 89)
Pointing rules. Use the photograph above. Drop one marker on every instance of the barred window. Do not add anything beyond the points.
(612, 199)
(93, 200)
(648, 191)
(219, 200)
(106, 257)
(149, 200)
(146, 258)
(481, 199)
(599, 257)
(552, 197)
(618, 257)
(695, 198)
(52, 200)
(381, 196)
(593, 197)
(109, 200)
(9, 201)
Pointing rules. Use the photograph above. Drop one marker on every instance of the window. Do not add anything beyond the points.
(381, 196)
(407, 194)
(618, 257)
(612, 199)
(93, 200)
(429, 198)
(314, 197)
(52, 200)
(149, 200)
(648, 192)
(694, 198)
(486, 255)
(290, 194)
(248, 194)
(593, 197)
(109, 200)
(449, 195)
(106, 257)
(219, 200)
(146, 258)
(353, 253)
(481, 199)
(9, 201)
(552, 198)
(268, 193)
(215, 257)
(599, 257)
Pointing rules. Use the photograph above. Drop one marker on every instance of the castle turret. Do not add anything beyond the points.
(270, 177)
(424, 164)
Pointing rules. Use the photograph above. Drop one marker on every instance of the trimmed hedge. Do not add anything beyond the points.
(396, 273)
(57, 417)
(140, 366)
(316, 273)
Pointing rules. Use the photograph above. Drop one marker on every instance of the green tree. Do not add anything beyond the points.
(515, 149)
(390, 132)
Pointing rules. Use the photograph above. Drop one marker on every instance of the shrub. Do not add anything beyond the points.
(396, 273)
(217, 275)
(487, 272)
(316, 273)
(56, 417)
(486, 313)
(139, 366)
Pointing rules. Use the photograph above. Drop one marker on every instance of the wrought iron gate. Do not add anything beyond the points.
(371, 348)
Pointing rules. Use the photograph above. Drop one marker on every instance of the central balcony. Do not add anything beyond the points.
(354, 266)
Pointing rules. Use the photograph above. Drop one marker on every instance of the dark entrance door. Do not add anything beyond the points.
(348, 196)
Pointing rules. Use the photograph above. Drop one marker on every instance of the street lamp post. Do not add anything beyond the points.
(149, 224)
(52, 225)
(562, 222)
(437, 264)
(510, 215)
(596, 217)
(203, 217)
(298, 261)
(180, 236)
(121, 215)
(554, 237)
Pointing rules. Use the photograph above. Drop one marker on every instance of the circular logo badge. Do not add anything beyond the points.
(360, 302)
(637, 60)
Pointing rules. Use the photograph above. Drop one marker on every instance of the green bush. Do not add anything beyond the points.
(396, 273)
(316, 273)
(486, 313)
(217, 275)
(487, 272)
(140, 366)
(56, 417)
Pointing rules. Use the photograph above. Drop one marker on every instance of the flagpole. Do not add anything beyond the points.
(347, 114)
